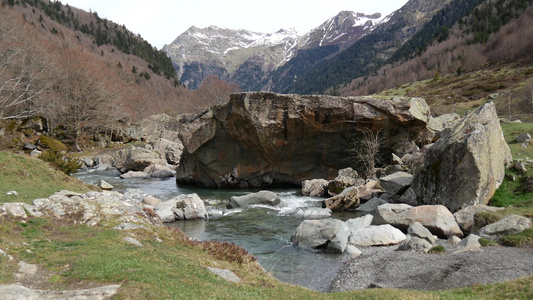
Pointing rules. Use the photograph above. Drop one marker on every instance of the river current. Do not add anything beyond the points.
(263, 231)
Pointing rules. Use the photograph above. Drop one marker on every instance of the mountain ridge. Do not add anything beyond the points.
(339, 31)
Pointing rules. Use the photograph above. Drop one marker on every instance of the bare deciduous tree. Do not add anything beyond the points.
(21, 74)
(364, 150)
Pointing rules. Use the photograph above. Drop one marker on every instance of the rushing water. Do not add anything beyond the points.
(263, 231)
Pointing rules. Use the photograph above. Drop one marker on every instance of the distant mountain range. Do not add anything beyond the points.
(250, 58)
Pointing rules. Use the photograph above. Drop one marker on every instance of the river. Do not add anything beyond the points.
(263, 231)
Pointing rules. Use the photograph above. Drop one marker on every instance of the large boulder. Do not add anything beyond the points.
(266, 138)
(262, 197)
(466, 165)
(182, 207)
(328, 234)
(135, 159)
(168, 150)
(436, 218)
(346, 178)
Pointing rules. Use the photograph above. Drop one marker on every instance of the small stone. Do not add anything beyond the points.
(352, 251)
(132, 241)
(104, 185)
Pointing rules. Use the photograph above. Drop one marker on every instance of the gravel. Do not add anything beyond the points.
(383, 267)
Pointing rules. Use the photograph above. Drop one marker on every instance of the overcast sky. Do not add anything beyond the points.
(161, 21)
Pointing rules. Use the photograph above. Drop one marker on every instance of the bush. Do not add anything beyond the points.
(68, 163)
(52, 144)
(437, 250)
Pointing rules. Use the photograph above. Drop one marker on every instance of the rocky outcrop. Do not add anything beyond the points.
(90, 208)
(260, 139)
(466, 165)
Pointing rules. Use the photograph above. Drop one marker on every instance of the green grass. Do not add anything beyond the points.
(511, 131)
(176, 268)
(32, 178)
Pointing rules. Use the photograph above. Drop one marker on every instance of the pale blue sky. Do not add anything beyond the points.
(161, 21)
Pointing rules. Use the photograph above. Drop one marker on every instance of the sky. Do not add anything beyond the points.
(161, 21)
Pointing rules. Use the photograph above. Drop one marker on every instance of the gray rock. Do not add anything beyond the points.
(182, 207)
(130, 226)
(348, 199)
(26, 268)
(352, 251)
(226, 274)
(346, 178)
(104, 185)
(510, 224)
(134, 174)
(35, 153)
(465, 216)
(377, 236)
(135, 159)
(29, 146)
(395, 182)
(371, 205)
(396, 160)
(436, 218)
(159, 171)
(438, 124)
(453, 241)
(14, 209)
(262, 197)
(328, 234)
(520, 166)
(311, 213)
(359, 223)
(150, 200)
(468, 244)
(315, 187)
(17, 292)
(169, 150)
(415, 244)
(419, 231)
(466, 165)
(87, 161)
(523, 138)
(132, 241)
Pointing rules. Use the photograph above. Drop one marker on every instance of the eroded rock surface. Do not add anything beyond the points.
(260, 139)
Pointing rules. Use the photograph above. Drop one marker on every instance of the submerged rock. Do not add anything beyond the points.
(262, 197)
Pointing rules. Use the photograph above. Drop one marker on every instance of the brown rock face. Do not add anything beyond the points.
(260, 139)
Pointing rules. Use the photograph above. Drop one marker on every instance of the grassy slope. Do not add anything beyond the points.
(32, 178)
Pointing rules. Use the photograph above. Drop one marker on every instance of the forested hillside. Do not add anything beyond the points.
(485, 53)
(475, 21)
(84, 75)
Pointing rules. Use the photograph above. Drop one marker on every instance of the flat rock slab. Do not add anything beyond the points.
(17, 292)
(387, 268)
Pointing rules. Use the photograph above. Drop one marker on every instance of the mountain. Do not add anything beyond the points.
(249, 58)
(198, 53)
